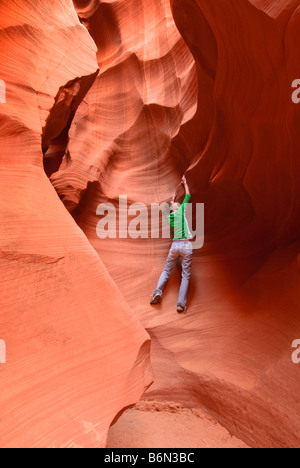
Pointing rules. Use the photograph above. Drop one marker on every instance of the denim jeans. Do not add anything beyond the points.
(180, 251)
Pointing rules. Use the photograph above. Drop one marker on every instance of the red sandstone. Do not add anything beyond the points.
(200, 87)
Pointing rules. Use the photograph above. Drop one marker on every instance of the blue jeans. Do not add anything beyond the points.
(180, 251)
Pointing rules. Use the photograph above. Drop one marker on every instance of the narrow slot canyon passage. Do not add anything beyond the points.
(121, 99)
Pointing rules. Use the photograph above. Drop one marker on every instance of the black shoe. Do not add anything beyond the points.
(180, 309)
(156, 298)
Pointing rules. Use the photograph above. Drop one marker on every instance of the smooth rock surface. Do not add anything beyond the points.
(226, 119)
(199, 87)
(76, 355)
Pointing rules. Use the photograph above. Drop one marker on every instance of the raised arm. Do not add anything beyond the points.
(184, 182)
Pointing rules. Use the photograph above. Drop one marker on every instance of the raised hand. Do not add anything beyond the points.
(184, 182)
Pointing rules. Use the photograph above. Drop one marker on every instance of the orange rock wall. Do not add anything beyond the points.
(218, 107)
(75, 354)
(199, 87)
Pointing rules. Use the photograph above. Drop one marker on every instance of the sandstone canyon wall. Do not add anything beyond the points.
(200, 87)
(212, 99)
(75, 354)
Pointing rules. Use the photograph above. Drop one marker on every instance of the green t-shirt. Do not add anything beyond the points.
(178, 222)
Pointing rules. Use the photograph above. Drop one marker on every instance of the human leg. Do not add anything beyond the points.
(169, 267)
(186, 261)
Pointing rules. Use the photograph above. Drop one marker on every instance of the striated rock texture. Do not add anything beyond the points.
(76, 355)
(212, 99)
(146, 91)
(201, 87)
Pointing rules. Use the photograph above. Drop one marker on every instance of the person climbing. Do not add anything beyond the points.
(181, 250)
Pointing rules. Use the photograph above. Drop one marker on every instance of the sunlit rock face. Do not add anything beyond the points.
(202, 87)
(122, 137)
(75, 354)
(199, 87)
